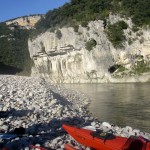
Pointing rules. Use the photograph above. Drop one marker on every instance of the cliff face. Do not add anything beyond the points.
(27, 22)
(63, 58)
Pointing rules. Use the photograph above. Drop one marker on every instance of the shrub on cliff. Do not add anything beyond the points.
(89, 45)
(75, 27)
(141, 67)
(115, 33)
(58, 34)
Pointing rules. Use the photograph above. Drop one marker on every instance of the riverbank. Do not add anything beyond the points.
(41, 108)
(143, 78)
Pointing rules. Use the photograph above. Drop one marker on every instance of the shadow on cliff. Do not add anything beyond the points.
(5, 69)
(50, 131)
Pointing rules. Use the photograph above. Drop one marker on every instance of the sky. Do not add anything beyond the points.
(10, 9)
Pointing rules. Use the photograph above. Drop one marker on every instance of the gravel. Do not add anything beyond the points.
(40, 108)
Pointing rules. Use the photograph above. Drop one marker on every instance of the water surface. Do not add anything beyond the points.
(120, 104)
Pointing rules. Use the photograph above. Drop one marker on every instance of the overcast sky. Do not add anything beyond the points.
(10, 9)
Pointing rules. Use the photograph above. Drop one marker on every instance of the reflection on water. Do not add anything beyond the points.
(121, 104)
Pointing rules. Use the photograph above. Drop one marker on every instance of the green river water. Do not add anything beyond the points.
(120, 104)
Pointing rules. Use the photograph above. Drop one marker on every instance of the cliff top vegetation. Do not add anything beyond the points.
(82, 11)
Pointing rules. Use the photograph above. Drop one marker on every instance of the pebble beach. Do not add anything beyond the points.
(41, 108)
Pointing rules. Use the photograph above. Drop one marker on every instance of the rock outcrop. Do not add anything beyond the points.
(27, 22)
(64, 58)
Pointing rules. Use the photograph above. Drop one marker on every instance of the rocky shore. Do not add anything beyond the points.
(40, 108)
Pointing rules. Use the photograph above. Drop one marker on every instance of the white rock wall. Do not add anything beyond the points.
(66, 60)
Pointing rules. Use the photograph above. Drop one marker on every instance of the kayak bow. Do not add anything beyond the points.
(100, 140)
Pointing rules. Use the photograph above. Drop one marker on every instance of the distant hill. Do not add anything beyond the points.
(14, 54)
(27, 22)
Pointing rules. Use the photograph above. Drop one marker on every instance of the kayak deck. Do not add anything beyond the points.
(85, 137)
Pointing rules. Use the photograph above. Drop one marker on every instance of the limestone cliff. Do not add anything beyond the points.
(27, 22)
(64, 58)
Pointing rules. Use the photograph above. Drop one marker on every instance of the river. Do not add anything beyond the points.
(120, 104)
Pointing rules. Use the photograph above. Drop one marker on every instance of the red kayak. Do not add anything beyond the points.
(100, 140)
(69, 147)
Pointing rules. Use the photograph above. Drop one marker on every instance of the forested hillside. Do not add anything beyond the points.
(14, 49)
(82, 11)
